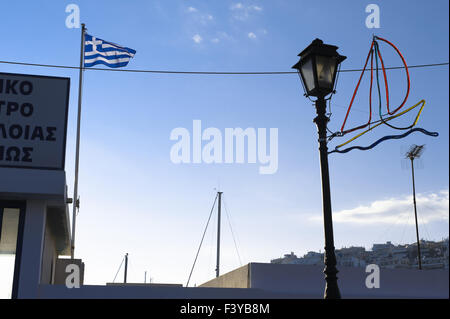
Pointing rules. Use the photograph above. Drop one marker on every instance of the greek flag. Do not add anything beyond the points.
(98, 51)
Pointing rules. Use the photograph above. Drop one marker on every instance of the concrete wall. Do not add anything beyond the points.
(270, 281)
(238, 278)
(141, 292)
(309, 281)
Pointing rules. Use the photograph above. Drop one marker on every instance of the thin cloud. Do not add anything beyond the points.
(256, 8)
(431, 207)
(251, 35)
(237, 6)
(242, 12)
(225, 36)
(195, 16)
(197, 38)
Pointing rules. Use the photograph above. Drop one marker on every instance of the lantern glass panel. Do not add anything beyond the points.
(307, 72)
(326, 68)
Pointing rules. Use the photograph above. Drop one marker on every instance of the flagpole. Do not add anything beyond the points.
(75, 202)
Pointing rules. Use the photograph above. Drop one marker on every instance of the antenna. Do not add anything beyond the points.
(415, 151)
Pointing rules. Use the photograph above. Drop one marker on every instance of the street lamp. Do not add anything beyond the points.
(317, 68)
(414, 152)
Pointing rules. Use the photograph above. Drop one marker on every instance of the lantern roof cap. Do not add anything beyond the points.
(317, 47)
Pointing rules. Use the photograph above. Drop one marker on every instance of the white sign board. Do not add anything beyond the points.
(33, 121)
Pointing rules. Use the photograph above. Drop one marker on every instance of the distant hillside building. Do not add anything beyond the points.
(435, 255)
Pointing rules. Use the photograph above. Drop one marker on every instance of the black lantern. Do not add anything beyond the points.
(318, 68)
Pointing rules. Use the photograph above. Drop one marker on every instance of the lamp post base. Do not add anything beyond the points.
(330, 271)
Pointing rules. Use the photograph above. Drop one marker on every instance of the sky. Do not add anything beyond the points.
(135, 200)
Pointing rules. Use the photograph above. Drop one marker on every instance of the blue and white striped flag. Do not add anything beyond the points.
(98, 51)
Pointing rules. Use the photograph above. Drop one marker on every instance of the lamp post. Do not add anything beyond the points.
(414, 152)
(317, 69)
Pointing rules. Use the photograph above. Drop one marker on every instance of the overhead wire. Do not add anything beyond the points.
(386, 232)
(213, 236)
(201, 242)
(118, 269)
(406, 226)
(203, 72)
(374, 50)
(232, 233)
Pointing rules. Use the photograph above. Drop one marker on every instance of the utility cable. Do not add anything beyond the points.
(405, 227)
(383, 236)
(201, 242)
(205, 72)
(212, 242)
(232, 233)
(118, 269)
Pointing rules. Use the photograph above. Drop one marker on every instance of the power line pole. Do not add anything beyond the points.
(219, 208)
(414, 152)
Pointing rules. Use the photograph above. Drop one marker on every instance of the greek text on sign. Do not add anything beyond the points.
(33, 121)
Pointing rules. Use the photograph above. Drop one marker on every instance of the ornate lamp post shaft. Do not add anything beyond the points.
(331, 289)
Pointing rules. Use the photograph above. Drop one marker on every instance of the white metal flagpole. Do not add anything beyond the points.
(75, 202)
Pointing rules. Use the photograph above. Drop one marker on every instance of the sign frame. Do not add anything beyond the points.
(63, 155)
